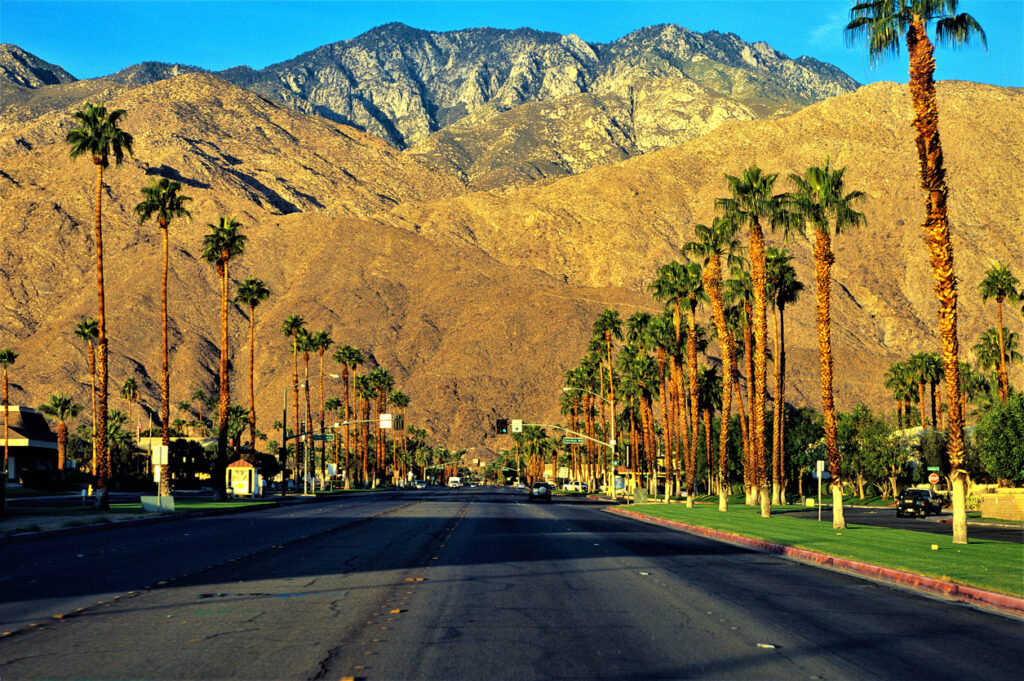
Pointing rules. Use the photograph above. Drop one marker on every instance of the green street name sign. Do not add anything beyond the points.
(326, 437)
(572, 440)
(934, 468)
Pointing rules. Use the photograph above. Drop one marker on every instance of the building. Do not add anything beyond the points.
(31, 445)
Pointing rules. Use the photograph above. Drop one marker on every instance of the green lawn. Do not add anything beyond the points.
(987, 564)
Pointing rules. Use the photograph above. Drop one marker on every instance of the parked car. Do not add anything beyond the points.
(419, 484)
(541, 491)
(576, 486)
(454, 481)
(918, 502)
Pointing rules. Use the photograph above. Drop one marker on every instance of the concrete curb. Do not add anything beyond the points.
(1004, 603)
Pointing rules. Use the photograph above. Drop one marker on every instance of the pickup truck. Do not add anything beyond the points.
(918, 502)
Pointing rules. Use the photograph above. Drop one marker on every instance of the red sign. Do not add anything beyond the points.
(933, 478)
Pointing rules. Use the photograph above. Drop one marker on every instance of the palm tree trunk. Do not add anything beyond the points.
(102, 458)
(712, 277)
(348, 471)
(165, 372)
(757, 271)
(323, 445)
(62, 447)
(782, 401)
(920, 399)
(749, 464)
(252, 379)
(776, 413)
(823, 259)
(1004, 383)
(666, 429)
(691, 366)
(225, 391)
(92, 373)
(295, 402)
(309, 419)
(936, 228)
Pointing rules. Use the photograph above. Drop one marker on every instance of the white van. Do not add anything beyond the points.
(454, 481)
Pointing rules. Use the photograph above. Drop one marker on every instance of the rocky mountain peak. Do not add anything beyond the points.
(27, 70)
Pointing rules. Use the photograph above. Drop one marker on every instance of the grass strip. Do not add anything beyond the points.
(994, 565)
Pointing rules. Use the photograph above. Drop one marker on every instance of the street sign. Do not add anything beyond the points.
(159, 455)
(385, 421)
(933, 478)
(934, 468)
(821, 475)
(517, 425)
(819, 465)
(572, 440)
(326, 437)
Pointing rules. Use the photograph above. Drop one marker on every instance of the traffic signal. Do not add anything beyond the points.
(501, 426)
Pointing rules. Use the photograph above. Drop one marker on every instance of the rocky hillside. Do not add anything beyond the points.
(466, 337)
(403, 84)
(613, 226)
(27, 70)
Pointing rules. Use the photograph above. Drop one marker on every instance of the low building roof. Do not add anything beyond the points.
(27, 428)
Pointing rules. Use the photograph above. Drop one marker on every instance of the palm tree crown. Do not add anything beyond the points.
(161, 199)
(98, 136)
(883, 22)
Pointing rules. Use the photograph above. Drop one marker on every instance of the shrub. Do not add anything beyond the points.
(1000, 437)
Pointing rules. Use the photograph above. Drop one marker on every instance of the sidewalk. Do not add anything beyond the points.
(1001, 603)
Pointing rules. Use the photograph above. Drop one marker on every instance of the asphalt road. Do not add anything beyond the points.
(936, 524)
(463, 584)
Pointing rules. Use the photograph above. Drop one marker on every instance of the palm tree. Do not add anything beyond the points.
(130, 394)
(252, 292)
(88, 330)
(659, 336)
(821, 204)
(199, 395)
(305, 347)
(1001, 284)
(382, 383)
(899, 380)
(321, 341)
(994, 349)
(349, 358)
(163, 200)
(220, 245)
(917, 365)
(739, 295)
(62, 408)
(881, 23)
(7, 358)
(365, 391)
(293, 326)
(607, 327)
(931, 368)
(98, 135)
(783, 288)
(714, 242)
(752, 203)
(674, 283)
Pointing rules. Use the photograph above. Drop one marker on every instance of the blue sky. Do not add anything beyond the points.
(92, 39)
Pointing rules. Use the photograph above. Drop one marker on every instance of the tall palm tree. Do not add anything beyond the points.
(739, 294)
(881, 23)
(220, 245)
(321, 342)
(163, 200)
(7, 358)
(752, 204)
(659, 337)
(252, 292)
(88, 330)
(62, 408)
(931, 367)
(365, 392)
(199, 395)
(783, 288)
(712, 244)
(709, 393)
(994, 349)
(293, 326)
(823, 206)
(306, 347)
(675, 283)
(130, 394)
(999, 283)
(608, 327)
(917, 365)
(899, 380)
(382, 383)
(349, 358)
(97, 135)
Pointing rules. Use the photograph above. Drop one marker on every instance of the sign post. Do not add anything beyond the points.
(819, 470)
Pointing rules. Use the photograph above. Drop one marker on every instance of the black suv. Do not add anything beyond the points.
(918, 502)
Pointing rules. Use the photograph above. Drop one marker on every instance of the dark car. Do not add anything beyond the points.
(541, 491)
(918, 502)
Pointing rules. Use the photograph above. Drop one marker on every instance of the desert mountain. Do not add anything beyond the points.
(465, 336)
(403, 83)
(613, 226)
(27, 70)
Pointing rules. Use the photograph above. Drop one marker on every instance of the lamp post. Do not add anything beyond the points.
(611, 466)
(284, 436)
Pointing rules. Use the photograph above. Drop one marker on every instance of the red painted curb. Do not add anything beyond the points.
(931, 585)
